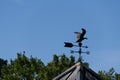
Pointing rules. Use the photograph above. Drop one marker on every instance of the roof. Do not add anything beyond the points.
(78, 72)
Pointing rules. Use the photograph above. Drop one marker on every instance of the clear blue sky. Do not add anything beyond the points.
(40, 27)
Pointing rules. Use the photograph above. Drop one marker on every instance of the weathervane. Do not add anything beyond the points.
(80, 38)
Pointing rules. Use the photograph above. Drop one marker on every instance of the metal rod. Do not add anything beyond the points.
(80, 51)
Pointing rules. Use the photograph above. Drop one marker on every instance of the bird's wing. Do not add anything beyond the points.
(78, 34)
(83, 32)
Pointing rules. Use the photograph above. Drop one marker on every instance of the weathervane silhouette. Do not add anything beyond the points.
(80, 38)
(79, 71)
